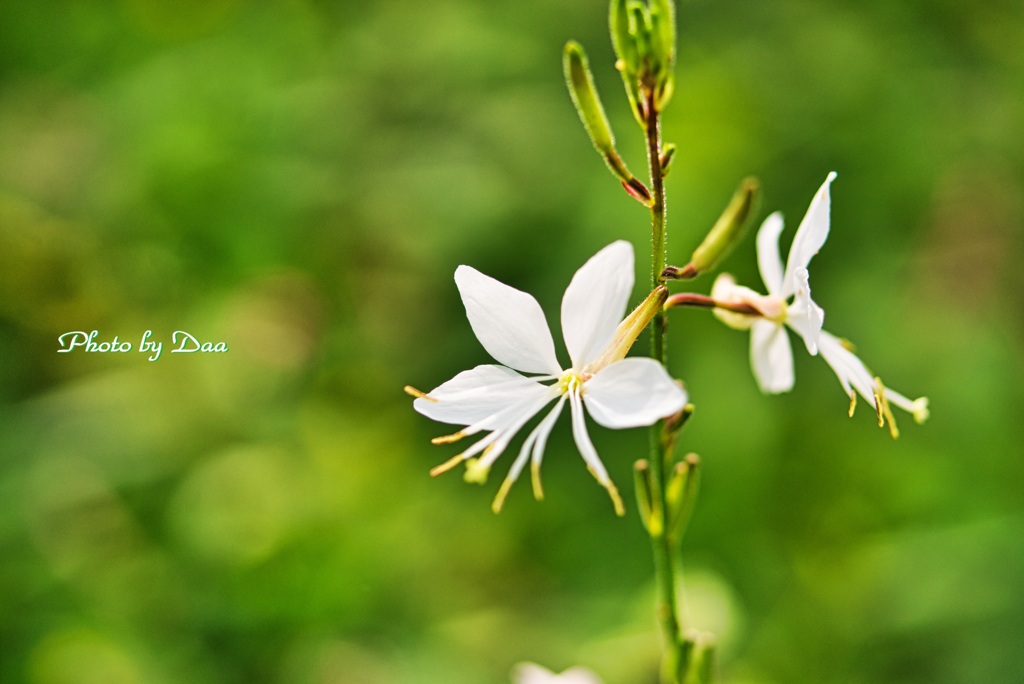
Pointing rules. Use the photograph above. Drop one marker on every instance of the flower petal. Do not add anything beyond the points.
(508, 322)
(804, 316)
(474, 394)
(771, 357)
(810, 236)
(531, 673)
(768, 260)
(595, 302)
(726, 290)
(579, 675)
(631, 393)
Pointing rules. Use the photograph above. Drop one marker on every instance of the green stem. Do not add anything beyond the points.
(661, 545)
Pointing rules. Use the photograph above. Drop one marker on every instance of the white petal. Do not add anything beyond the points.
(519, 412)
(804, 316)
(726, 290)
(850, 370)
(595, 302)
(768, 260)
(474, 394)
(583, 443)
(508, 322)
(771, 357)
(631, 393)
(529, 673)
(810, 236)
(579, 675)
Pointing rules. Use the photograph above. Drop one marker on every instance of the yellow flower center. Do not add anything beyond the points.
(571, 382)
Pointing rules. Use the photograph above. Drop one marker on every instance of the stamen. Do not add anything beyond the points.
(413, 392)
(538, 490)
(879, 393)
(449, 439)
(613, 492)
(853, 402)
(893, 428)
(884, 410)
(620, 509)
(499, 500)
(446, 466)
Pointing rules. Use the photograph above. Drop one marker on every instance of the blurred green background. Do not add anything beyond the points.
(299, 179)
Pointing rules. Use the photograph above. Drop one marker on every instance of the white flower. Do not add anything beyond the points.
(771, 356)
(617, 392)
(531, 673)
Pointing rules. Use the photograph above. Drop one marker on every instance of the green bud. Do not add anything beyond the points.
(665, 11)
(635, 98)
(659, 55)
(584, 96)
(663, 92)
(674, 424)
(681, 494)
(700, 649)
(727, 231)
(645, 497)
(641, 21)
(668, 153)
(588, 105)
(623, 39)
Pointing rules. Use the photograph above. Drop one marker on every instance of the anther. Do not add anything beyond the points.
(413, 392)
(449, 439)
(446, 466)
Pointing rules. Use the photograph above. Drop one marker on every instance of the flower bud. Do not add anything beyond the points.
(668, 153)
(726, 232)
(640, 20)
(588, 105)
(700, 648)
(673, 425)
(584, 96)
(623, 39)
(664, 14)
(645, 497)
(681, 495)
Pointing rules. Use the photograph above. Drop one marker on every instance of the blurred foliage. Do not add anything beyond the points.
(300, 179)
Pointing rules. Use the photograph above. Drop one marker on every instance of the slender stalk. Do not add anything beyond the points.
(661, 546)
